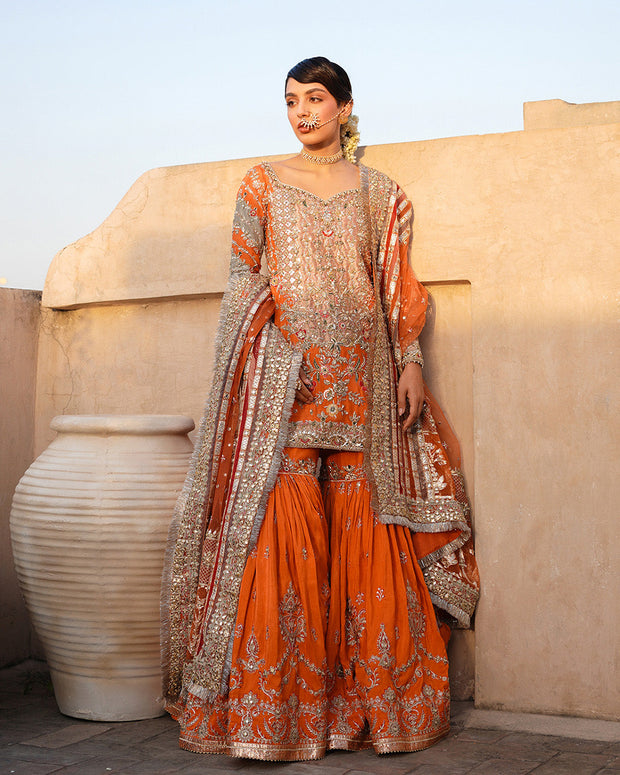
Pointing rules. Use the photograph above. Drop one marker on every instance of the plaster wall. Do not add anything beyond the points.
(517, 238)
(19, 328)
(135, 358)
(557, 114)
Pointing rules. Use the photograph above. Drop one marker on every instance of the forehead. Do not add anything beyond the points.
(296, 89)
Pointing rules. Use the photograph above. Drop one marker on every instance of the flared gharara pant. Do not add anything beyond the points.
(336, 643)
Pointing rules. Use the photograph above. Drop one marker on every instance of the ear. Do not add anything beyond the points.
(348, 109)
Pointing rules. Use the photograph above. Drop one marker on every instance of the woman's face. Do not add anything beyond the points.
(306, 99)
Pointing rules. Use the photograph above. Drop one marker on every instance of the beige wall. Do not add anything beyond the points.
(135, 358)
(517, 237)
(558, 114)
(19, 328)
(530, 219)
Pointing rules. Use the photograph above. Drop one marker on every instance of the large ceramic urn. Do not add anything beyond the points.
(88, 526)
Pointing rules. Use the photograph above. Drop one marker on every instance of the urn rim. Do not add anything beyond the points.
(123, 424)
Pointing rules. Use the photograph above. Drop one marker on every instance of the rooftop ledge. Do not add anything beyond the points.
(169, 236)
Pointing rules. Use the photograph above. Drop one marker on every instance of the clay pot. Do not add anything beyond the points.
(88, 526)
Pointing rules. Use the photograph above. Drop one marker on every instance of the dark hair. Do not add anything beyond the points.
(328, 74)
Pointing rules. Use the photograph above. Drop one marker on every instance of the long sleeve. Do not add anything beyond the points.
(248, 235)
(409, 297)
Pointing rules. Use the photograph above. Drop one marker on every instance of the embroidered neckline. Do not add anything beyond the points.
(274, 176)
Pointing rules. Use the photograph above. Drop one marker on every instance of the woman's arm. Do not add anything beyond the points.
(412, 304)
(248, 234)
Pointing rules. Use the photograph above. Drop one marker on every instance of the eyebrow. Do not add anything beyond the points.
(309, 91)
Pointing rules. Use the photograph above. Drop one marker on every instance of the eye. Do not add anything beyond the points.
(289, 103)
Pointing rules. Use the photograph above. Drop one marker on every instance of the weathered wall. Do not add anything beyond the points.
(530, 219)
(19, 328)
(558, 114)
(516, 236)
(136, 358)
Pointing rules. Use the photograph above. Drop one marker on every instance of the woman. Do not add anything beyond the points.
(324, 518)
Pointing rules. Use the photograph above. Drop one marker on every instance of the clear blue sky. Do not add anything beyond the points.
(95, 93)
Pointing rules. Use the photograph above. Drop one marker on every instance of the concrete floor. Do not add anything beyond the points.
(36, 739)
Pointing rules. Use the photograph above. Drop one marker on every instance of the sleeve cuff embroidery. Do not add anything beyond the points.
(413, 354)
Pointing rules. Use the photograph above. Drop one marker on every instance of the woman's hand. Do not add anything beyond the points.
(410, 389)
(303, 392)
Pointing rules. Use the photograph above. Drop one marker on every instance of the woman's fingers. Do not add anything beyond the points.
(402, 398)
(303, 395)
(416, 404)
(410, 394)
(303, 392)
(410, 418)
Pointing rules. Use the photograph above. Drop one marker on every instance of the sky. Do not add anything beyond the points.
(93, 94)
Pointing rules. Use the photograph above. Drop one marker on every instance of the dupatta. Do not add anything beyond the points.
(415, 476)
(222, 504)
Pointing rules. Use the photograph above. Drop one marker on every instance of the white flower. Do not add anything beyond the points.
(349, 138)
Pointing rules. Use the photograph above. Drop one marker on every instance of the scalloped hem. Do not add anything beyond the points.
(312, 751)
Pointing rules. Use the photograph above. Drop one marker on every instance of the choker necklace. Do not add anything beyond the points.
(321, 159)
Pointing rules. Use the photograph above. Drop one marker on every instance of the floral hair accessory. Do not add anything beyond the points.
(349, 138)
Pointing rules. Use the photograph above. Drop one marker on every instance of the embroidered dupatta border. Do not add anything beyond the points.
(404, 468)
(222, 504)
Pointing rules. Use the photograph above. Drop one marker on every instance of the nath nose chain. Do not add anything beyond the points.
(312, 121)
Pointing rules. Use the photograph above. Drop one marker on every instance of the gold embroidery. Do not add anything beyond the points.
(325, 435)
(413, 354)
(318, 257)
(306, 466)
(318, 260)
(334, 471)
(292, 622)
